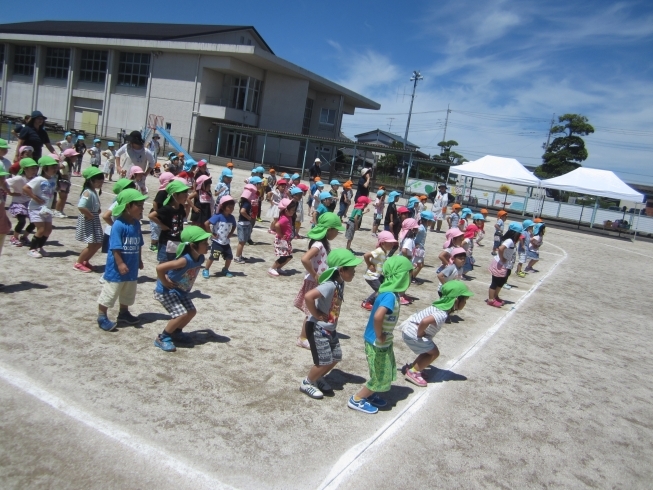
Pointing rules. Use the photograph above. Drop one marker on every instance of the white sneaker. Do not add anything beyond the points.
(59, 214)
(35, 254)
(310, 389)
(303, 343)
(273, 272)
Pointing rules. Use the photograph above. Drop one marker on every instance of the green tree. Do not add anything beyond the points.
(447, 155)
(387, 164)
(567, 150)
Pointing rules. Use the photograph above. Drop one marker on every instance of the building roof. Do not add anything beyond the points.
(122, 30)
(392, 136)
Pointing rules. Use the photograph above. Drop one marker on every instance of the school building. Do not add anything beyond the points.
(207, 83)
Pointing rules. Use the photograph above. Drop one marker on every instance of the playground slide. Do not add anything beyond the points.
(174, 143)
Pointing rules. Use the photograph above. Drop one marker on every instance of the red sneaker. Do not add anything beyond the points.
(367, 306)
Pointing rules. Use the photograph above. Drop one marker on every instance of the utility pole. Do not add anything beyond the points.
(390, 125)
(415, 78)
(446, 121)
(545, 146)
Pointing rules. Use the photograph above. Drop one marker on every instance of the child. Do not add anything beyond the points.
(379, 204)
(296, 195)
(175, 280)
(320, 205)
(4, 149)
(453, 238)
(110, 164)
(391, 216)
(409, 229)
(223, 187)
(272, 181)
(454, 217)
(468, 245)
(244, 225)
(256, 202)
(164, 179)
(312, 190)
(66, 142)
(123, 260)
(170, 220)
(420, 328)
(533, 251)
(502, 263)
(96, 153)
(223, 226)
(41, 192)
(412, 207)
(454, 270)
(138, 176)
(524, 241)
(479, 220)
(64, 177)
(319, 188)
(462, 222)
(355, 218)
(315, 262)
(379, 336)
(275, 198)
(80, 148)
(324, 303)
(421, 205)
(425, 217)
(107, 216)
(345, 199)
(283, 241)
(202, 203)
(89, 227)
(5, 224)
(498, 230)
(385, 242)
(20, 201)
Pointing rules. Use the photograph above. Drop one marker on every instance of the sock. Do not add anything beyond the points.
(35, 243)
(357, 398)
(413, 370)
(43, 240)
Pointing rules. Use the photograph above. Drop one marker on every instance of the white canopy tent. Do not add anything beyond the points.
(594, 182)
(497, 169)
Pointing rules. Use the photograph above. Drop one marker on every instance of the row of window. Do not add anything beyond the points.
(242, 93)
(133, 68)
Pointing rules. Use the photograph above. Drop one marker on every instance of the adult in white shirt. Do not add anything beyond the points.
(440, 207)
(134, 153)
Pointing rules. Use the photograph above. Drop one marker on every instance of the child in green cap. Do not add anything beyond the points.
(89, 226)
(379, 337)
(175, 280)
(20, 200)
(324, 303)
(5, 224)
(4, 149)
(41, 192)
(420, 328)
(123, 259)
(170, 219)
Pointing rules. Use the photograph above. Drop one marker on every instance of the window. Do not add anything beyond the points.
(243, 93)
(308, 114)
(2, 57)
(93, 66)
(24, 58)
(328, 117)
(236, 145)
(57, 61)
(134, 69)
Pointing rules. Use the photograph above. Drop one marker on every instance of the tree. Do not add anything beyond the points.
(387, 164)
(446, 155)
(567, 150)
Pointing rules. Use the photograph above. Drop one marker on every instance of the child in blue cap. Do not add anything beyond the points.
(335, 184)
(391, 216)
(379, 204)
(80, 148)
(96, 152)
(524, 241)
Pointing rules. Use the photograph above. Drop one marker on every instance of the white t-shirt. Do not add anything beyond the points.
(129, 157)
(450, 272)
(378, 258)
(65, 145)
(319, 261)
(508, 254)
(409, 327)
(16, 185)
(409, 245)
(44, 189)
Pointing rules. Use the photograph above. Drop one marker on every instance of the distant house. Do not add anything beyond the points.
(383, 138)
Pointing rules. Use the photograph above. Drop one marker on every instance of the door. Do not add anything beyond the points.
(90, 122)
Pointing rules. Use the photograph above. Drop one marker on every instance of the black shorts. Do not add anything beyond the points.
(223, 251)
(325, 346)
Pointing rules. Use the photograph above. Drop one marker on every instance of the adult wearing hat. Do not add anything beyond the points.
(440, 202)
(134, 153)
(363, 187)
(34, 134)
(315, 170)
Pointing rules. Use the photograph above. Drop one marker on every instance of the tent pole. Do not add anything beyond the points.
(596, 206)
(581, 215)
(634, 225)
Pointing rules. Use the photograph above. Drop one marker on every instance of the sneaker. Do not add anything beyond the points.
(35, 254)
(377, 401)
(367, 306)
(105, 324)
(521, 274)
(81, 267)
(272, 232)
(15, 242)
(154, 248)
(375, 235)
(259, 220)
(101, 280)
(507, 286)
(493, 253)
(303, 343)
(362, 406)
(164, 342)
(415, 378)
(273, 272)
(530, 269)
(226, 273)
(310, 389)
(59, 214)
(127, 317)
(239, 260)
(25, 241)
(182, 338)
(404, 301)
(495, 303)
(88, 264)
(43, 252)
(206, 274)
(500, 301)
(250, 242)
(322, 385)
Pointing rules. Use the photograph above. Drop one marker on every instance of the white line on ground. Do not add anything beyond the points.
(626, 250)
(357, 455)
(153, 454)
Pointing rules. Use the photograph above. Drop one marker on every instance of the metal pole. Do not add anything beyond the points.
(410, 163)
(265, 140)
(596, 206)
(304, 161)
(581, 214)
(217, 148)
(353, 160)
(634, 225)
(415, 78)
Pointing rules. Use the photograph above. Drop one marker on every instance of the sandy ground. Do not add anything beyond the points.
(558, 396)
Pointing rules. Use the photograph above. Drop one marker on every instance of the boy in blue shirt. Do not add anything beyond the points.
(379, 336)
(123, 259)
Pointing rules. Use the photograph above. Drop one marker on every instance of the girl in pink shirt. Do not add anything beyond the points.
(284, 234)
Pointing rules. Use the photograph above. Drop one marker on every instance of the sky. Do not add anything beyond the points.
(504, 68)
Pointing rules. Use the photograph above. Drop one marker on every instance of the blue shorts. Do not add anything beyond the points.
(244, 231)
(162, 255)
